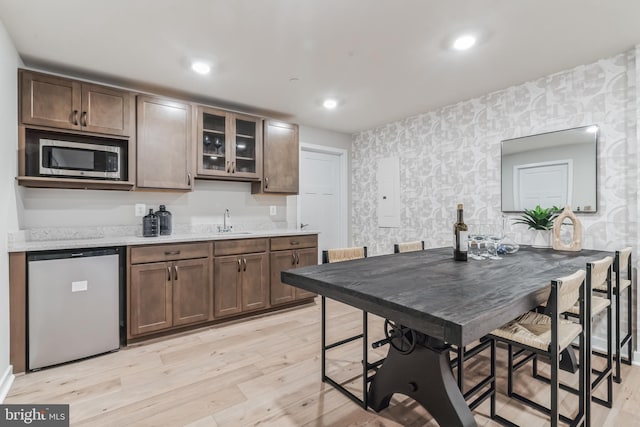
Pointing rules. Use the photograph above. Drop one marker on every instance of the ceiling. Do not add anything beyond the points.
(381, 59)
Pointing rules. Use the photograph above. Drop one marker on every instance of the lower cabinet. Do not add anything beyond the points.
(240, 284)
(286, 259)
(166, 294)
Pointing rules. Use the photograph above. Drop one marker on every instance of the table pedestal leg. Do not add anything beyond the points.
(425, 376)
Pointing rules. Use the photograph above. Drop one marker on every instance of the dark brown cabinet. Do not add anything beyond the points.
(164, 144)
(280, 159)
(229, 145)
(171, 292)
(282, 258)
(68, 104)
(241, 282)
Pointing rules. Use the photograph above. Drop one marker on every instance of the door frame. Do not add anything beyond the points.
(342, 186)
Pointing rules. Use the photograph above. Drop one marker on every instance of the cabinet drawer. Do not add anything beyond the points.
(242, 246)
(294, 242)
(157, 253)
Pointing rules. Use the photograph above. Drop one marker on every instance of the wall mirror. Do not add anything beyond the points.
(550, 169)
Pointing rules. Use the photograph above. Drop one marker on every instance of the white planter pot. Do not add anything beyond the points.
(542, 239)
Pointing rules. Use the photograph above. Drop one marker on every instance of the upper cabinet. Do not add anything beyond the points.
(229, 145)
(280, 159)
(164, 144)
(69, 104)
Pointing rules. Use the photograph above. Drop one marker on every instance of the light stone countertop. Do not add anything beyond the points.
(23, 245)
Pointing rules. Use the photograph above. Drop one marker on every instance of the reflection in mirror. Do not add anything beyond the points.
(550, 169)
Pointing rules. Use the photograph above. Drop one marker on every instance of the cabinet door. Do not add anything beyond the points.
(50, 101)
(150, 298)
(215, 152)
(255, 279)
(164, 144)
(280, 292)
(227, 286)
(105, 110)
(305, 257)
(247, 145)
(280, 157)
(191, 297)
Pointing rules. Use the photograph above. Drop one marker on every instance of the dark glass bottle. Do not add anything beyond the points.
(150, 224)
(460, 235)
(164, 220)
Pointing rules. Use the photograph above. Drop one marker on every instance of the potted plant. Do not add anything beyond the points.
(541, 220)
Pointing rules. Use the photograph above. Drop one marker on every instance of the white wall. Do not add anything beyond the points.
(9, 62)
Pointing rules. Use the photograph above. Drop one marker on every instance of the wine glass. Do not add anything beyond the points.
(217, 143)
(475, 239)
(495, 236)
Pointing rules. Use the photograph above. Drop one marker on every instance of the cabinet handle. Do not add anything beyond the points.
(227, 168)
(297, 259)
(266, 182)
(188, 179)
(233, 167)
(172, 252)
(84, 118)
(75, 117)
(294, 243)
(239, 264)
(244, 260)
(175, 272)
(293, 258)
(168, 274)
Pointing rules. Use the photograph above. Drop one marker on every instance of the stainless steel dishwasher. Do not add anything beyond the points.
(73, 305)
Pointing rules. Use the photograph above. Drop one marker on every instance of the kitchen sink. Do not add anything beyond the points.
(233, 233)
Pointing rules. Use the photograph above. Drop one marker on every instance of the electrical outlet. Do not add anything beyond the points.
(273, 210)
(141, 209)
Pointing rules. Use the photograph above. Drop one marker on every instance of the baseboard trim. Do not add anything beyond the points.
(5, 382)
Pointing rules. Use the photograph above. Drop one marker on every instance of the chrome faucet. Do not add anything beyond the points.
(225, 228)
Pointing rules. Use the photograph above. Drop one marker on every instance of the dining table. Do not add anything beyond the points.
(445, 303)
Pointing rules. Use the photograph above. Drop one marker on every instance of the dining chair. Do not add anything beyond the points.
(417, 245)
(598, 275)
(622, 275)
(342, 255)
(548, 334)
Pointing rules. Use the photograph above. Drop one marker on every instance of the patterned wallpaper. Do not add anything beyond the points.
(452, 155)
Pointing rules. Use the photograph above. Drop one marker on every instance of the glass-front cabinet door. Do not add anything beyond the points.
(229, 145)
(247, 143)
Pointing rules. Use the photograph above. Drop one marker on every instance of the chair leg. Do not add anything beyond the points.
(618, 376)
(555, 366)
(493, 375)
(324, 337)
(509, 370)
(460, 367)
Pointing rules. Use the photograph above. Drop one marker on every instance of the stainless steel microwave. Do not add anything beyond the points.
(78, 159)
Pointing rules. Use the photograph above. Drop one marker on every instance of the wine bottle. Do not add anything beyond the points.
(460, 234)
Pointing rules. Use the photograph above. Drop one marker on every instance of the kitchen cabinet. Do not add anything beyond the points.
(241, 279)
(69, 104)
(283, 257)
(229, 145)
(280, 159)
(164, 144)
(169, 286)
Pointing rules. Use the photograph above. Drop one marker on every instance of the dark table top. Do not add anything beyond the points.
(454, 301)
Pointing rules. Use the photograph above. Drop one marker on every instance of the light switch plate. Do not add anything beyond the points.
(273, 210)
(141, 209)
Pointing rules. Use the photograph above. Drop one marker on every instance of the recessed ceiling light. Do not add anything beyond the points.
(592, 129)
(201, 67)
(330, 104)
(464, 42)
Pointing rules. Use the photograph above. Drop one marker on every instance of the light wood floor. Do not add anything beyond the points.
(264, 371)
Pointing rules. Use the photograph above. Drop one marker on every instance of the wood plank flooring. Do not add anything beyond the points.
(266, 371)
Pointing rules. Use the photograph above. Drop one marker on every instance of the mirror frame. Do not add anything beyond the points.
(597, 138)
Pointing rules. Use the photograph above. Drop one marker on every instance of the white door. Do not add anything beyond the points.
(544, 184)
(322, 196)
